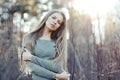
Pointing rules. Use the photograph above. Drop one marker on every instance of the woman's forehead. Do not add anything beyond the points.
(58, 15)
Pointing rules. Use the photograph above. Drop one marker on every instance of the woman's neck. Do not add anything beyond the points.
(46, 34)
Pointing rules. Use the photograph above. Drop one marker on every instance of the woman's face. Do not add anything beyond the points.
(54, 21)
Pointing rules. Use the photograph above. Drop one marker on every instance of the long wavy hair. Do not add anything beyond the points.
(58, 36)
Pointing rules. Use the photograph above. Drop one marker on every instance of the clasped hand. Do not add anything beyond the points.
(26, 55)
(62, 76)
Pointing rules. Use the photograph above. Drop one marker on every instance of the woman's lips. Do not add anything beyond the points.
(53, 25)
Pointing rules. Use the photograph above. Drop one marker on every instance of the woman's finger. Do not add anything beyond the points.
(27, 50)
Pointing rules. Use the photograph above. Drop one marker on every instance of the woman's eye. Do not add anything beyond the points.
(59, 23)
(54, 17)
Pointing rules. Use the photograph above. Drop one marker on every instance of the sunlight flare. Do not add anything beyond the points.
(94, 7)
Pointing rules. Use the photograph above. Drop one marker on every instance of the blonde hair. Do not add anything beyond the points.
(59, 36)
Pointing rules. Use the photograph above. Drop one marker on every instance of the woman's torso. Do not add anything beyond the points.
(45, 49)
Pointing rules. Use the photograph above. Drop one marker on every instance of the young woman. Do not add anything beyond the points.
(45, 51)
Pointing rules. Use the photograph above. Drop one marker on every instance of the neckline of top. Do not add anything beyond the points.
(46, 40)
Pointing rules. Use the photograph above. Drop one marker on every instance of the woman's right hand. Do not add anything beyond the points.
(63, 76)
(26, 55)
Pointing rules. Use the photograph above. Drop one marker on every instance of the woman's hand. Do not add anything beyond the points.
(27, 55)
(63, 76)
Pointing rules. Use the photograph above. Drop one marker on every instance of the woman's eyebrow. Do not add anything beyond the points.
(54, 16)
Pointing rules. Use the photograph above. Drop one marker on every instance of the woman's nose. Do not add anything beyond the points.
(55, 22)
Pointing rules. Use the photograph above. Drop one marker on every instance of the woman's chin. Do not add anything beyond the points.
(52, 29)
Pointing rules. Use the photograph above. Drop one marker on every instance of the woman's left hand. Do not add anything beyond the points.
(27, 55)
(62, 76)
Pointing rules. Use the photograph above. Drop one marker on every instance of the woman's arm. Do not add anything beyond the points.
(48, 64)
(41, 70)
(38, 70)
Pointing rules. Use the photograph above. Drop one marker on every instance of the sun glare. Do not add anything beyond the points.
(94, 7)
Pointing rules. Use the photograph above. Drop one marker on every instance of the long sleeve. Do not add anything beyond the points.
(37, 77)
(38, 70)
(48, 64)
